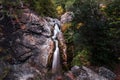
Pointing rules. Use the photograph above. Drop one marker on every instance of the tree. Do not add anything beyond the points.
(112, 12)
(91, 32)
(42, 7)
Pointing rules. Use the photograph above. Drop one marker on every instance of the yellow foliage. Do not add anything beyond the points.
(79, 25)
(65, 26)
(103, 7)
(60, 10)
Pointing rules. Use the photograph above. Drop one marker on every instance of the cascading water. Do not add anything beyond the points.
(56, 55)
(56, 31)
(56, 58)
(21, 3)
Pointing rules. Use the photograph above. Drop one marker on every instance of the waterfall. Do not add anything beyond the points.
(56, 54)
(56, 58)
(56, 31)
(21, 3)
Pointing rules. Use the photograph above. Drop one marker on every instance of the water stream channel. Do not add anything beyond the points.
(56, 54)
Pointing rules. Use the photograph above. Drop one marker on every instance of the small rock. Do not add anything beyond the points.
(83, 75)
(69, 76)
(106, 73)
(75, 70)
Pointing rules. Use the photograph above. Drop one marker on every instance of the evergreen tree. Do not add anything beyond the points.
(93, 35)
(112, 12)
(42, 7)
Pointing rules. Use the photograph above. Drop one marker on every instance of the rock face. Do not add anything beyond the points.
(4, 69)
(33, 47)
(84, 73)
(67, 17)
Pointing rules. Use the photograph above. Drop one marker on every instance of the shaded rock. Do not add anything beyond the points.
(24, 72)
(4, 69)
(84, 73)
(92, 75)
(107, 73)
(75, 70)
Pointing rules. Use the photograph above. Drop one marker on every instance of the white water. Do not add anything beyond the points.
(56, 59)
(56, 55)
(21, 3)
(56, 31)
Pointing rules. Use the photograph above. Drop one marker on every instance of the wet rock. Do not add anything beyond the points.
(107, 73)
